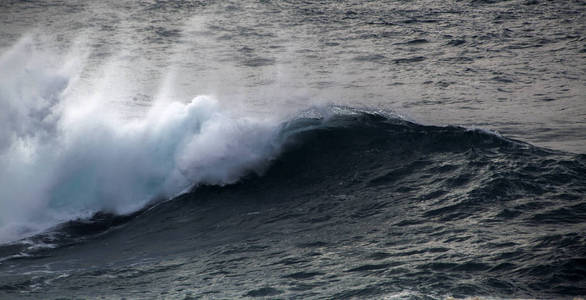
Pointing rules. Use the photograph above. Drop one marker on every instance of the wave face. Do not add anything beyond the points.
(355, 205)
(61, 158)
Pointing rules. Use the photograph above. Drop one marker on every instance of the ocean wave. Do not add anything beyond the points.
(423, 195)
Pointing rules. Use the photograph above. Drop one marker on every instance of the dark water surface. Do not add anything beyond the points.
(442, 154)
(356, 206)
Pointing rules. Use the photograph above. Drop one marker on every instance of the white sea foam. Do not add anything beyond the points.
(62, 157)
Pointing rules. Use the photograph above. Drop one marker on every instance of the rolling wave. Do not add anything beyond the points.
(331, 147)
(417, 198)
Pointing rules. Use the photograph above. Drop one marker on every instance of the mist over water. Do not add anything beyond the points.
(64, 158)
(243, 149)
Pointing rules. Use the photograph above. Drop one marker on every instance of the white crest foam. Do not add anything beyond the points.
(63, 158)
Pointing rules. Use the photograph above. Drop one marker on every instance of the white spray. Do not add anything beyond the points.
(62, 157)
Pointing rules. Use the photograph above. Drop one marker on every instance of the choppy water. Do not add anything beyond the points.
(321, 166)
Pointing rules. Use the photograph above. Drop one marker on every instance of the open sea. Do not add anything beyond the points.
(288, 149)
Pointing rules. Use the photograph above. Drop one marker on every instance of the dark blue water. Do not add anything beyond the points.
(358, 205)
(333, 150)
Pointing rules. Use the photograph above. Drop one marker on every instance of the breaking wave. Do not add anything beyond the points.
(63, 158)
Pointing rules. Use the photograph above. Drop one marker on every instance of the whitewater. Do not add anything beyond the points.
(65, 158)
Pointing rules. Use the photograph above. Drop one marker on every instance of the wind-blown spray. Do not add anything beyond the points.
(63, 158)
